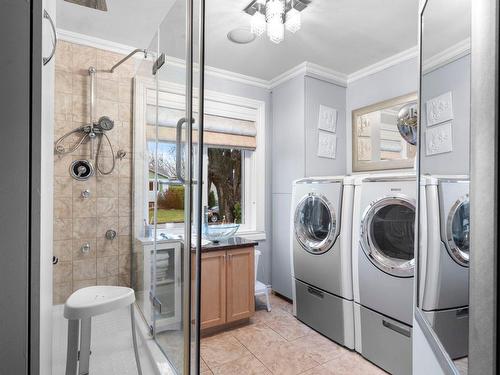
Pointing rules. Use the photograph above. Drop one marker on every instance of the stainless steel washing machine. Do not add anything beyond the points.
(383, 269)
(444, 266)
(321, 256)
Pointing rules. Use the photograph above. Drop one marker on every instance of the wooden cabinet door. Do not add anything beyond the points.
(240, 284)
(213, 289)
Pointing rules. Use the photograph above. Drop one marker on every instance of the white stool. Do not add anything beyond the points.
(261, 288)
(79, 309)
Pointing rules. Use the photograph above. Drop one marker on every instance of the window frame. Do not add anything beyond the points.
(217, 104)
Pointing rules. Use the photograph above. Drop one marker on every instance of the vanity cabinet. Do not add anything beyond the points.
(213, 289)
(227, 286)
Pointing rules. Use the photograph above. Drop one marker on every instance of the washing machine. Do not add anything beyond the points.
(383, 269)
(444, 261)
(321, 218)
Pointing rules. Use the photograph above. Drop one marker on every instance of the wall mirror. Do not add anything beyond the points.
(377, 143)
(444, 137)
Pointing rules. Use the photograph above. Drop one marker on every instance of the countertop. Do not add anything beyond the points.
(231, 243)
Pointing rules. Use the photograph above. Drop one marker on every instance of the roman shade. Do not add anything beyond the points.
(219, 131)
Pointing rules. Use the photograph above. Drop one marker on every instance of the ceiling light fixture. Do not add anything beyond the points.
(274, 16)
(258, 24)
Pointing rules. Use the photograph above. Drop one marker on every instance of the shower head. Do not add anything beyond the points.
(105, 123)
(94, 4)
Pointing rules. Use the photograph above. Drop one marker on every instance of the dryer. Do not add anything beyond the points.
(321, 217)
(383, 268)
(444, 261)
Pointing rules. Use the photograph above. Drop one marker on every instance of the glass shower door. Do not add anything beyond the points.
(167, 188)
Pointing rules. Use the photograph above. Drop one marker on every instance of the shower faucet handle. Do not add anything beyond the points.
(85, 249)
(85, 194)
(110, 234)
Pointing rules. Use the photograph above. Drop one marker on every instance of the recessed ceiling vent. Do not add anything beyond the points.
(94, 4)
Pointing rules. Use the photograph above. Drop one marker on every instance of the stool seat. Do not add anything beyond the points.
(96, 300)
(79, 309)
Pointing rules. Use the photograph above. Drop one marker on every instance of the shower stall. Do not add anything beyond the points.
(127, 183)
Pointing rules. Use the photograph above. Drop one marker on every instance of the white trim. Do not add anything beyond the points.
(289, 74)
(90, 41)
(236, 107)
(253, 236)
(327, 74)
(306, 68)
(398, 58)
(447, 56)
(222, 73)
(310, 69)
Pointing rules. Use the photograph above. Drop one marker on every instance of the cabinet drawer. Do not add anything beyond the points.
(394, 355)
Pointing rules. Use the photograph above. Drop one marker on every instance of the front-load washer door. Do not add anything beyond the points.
(315, 223)
(458, 231)
(388, 234)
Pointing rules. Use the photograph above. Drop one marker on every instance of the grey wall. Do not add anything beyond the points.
(14, 185)
(294, 155)
(454, 77)
(318, 92)
(288, 164)
(394, 81)
(288, 132)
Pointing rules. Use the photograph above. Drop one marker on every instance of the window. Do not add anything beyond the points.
(225, 185)
(232, 125)
(227, 172)
(170, 196)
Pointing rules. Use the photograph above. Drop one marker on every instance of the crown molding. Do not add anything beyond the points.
(90, 41)
(306, 68)
(222, 73)
(288, 75)
(398, 58)
(330, 75)
(446, 56)
(311, 70)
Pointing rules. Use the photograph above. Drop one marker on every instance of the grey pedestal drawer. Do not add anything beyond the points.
(386, 342)
(321, 311)
(452, 328)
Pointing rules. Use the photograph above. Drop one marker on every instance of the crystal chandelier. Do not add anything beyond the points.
(274, 16)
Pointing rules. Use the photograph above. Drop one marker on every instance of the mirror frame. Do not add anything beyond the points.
(364, 165)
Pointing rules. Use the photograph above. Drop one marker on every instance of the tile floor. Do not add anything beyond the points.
(277, 343)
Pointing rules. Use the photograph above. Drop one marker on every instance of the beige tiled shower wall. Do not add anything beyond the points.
(77, 220)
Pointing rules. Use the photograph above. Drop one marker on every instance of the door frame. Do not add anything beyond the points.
(20, 151)
(483, 322)
(483, 288)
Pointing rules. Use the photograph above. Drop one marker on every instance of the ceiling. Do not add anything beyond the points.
(128, 22)
(445, 24)
(342, 35)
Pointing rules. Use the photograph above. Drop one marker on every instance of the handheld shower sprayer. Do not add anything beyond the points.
(95, 130)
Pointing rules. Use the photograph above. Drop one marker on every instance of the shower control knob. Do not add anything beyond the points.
(110, 234)
(85, 194)
(81, 170)
(85, 249)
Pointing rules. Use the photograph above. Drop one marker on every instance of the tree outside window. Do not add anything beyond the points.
(225, 185)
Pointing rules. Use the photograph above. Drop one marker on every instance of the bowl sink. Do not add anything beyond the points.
(219, 232)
